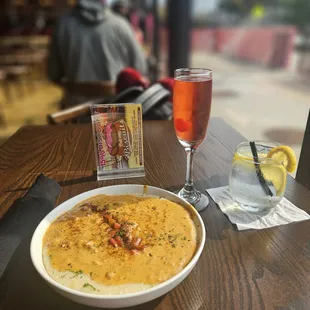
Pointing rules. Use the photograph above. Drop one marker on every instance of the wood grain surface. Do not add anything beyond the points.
(266, 269)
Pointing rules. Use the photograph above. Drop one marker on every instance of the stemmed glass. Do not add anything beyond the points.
(192, 96)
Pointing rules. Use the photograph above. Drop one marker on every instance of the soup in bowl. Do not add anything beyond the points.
(118, 246)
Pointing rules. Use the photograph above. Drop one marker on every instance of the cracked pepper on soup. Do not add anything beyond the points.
(119, 244)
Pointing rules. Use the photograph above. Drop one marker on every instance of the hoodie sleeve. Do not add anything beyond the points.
(136, 56)
(55, 68)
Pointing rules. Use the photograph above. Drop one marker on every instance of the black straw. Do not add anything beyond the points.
(259, 173)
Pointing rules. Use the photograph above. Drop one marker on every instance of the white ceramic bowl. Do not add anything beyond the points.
(114, 301)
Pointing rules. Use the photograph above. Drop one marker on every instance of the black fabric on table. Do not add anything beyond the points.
(21, 287)
(24, 216)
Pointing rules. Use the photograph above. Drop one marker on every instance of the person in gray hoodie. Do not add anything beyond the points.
(93, 44)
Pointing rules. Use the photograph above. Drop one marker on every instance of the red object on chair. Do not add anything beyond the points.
(129, 77)
(168, 84)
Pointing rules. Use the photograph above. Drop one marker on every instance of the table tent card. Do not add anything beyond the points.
(118, 140)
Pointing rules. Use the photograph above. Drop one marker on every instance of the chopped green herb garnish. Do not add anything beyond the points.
(77, 273)
(120, 233)
(90, 286)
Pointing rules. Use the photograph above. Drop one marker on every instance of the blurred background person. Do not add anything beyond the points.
(93, 44)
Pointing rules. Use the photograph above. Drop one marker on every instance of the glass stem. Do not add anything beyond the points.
(189, 183)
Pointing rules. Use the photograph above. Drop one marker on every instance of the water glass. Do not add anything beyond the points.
(256, 185)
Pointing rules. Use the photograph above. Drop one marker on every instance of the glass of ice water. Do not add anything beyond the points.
(256, 183)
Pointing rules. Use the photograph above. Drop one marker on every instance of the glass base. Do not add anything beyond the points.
(198, 200)
(258, 210)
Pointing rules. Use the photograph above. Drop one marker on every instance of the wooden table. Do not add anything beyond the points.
(266, 269)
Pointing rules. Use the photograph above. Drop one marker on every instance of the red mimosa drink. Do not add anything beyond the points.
(192, 95)
(191, 108)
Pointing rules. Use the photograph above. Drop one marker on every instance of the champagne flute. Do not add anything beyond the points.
(192, 96)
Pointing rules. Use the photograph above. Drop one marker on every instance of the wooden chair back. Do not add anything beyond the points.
(73, 114)
(70, 115)
(91, 89)
(77, 93)
(303, 171)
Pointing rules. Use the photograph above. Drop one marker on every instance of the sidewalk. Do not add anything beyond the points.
(261, 104)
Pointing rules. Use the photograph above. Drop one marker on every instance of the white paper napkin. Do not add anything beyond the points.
(284, 213)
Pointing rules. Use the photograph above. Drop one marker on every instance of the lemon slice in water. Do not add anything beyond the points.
(275, 174)
(284, 155)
